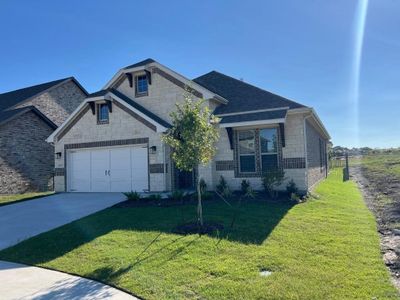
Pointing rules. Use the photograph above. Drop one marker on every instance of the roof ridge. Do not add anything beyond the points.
(249, 84)
(36, 85)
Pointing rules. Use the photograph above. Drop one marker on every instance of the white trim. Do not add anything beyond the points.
(159, 127)
(315, 117)
(252, 111)
(250, 123)
(50, 139)
(206, 93)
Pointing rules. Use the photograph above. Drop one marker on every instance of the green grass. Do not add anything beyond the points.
(380, 163)
(14, 198)
(326, 248)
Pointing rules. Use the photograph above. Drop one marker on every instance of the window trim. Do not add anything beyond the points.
(102, 121)
(269, 153)
(247, 154)
(137, 93)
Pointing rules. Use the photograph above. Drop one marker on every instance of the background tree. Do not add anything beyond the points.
(192, 138)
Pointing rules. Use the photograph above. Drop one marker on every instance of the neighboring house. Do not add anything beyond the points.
(27, 117)
(112, 141)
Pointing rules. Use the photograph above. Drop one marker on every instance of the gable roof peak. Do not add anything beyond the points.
(140, 63)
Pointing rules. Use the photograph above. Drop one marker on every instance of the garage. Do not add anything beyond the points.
(114, 169)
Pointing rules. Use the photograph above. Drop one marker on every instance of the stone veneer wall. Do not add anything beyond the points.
(315, 171)
(293, 157)
(26, 160)
(59, 102)
(121, 126)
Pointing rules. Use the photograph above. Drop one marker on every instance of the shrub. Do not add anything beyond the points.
(271, 180)
(291, 188)
(132, 196)
(245, 185)
(177, 195)
(247, 190)
(154, 197)
(223, 188)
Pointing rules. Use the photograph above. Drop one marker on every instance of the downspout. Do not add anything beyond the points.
(165, 166)
(305, 147)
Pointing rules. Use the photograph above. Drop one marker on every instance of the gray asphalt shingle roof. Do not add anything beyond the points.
(10, 99)
(265, 115)
(140, 63)
(241, 95)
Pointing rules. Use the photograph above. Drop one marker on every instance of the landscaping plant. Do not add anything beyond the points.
(132, 196)
(192, 138)
(272, 180)
(223, 188)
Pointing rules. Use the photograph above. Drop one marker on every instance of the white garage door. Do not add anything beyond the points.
(108, 170)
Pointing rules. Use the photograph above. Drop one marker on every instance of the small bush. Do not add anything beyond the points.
(154, 197)
(177, 195)
(291, 188)
(271, 180)
(244, 186)
(132, 196)
(223, 188)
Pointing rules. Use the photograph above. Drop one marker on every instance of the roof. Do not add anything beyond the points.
(140, 63)
(265, 115)
(7, 115)
(131, 103)
(140, 108)
(241, 95)
(11, 99)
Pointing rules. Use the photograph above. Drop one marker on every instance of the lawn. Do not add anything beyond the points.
(326, 248)
(14, 198)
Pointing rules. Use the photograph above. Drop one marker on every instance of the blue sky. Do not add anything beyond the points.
(303, 50)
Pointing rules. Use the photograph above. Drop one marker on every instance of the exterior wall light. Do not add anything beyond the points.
(58, 155)
(153, 150)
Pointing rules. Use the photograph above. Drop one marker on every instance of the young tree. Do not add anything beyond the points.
(192, 138)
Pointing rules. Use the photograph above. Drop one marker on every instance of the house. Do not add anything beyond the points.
(112, 141)
(27, 117)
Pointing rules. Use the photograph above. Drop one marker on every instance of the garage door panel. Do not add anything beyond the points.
(100, 164)
(109, 170)
(79, 171)
(139, 167)
(120, 171)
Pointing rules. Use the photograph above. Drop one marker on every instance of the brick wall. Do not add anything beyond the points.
(121, 126)
(26, 160)
(314, 155)
(58, 103)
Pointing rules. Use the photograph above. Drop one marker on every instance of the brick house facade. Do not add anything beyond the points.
(258, 131)
(27, 117)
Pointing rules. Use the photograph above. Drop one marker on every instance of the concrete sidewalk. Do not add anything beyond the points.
(24, 282)
(23, 220)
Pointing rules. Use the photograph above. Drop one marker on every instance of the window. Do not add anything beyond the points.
(247, 154)
(141, 85)
(102, 113)
(269, 149)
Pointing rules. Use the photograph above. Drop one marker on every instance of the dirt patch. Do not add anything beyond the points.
(382, 194)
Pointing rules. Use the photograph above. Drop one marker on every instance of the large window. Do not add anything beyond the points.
(269, 149)
(261, 158)
(247, 153)
(141, 85)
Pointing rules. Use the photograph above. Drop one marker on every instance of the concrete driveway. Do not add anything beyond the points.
(26, 219)
(25, 282)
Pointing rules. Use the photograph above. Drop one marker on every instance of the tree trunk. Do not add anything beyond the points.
(199, 205)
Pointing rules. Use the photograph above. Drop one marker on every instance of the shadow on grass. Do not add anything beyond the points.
(253, 223)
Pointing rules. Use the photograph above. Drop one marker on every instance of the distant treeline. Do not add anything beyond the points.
(339, 151)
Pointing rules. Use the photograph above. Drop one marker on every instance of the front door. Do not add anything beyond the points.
(184, 180)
